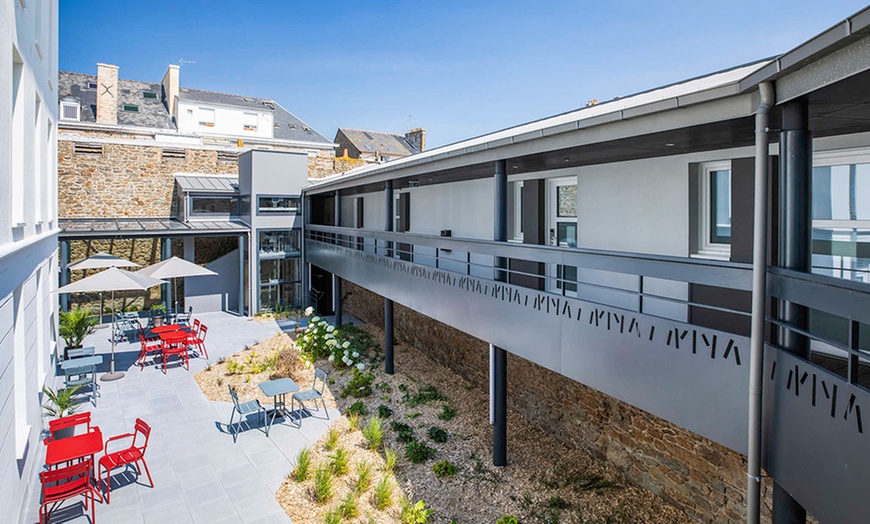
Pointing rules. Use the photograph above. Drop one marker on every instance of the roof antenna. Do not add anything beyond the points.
(182, 61)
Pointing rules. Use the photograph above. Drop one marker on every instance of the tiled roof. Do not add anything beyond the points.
(384, 143)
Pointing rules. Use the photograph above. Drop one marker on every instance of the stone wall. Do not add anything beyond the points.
(702, 478)
(345, 163)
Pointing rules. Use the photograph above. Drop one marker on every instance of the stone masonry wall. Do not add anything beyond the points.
(702, 478)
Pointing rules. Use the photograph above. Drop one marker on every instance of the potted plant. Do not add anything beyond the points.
(75, 325)
(158, 311)
(60, 404)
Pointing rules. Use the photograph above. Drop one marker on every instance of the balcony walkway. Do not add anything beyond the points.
(199, 474)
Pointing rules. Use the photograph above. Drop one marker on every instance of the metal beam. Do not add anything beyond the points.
(336, 281)
(166, 289)
(389, 367)
(241, 275)
(64, 274)
(499, 378)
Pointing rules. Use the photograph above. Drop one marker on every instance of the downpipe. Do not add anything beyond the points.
(759, 296)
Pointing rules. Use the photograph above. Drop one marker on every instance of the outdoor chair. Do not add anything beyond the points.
(147, 346)
(176, 347)
(127, 456)
(184, 318)
(314, 394)
(198, 340)
(80, 352)
(57, 425)
(124, 324)
(244, 408)
(61, 484)
(84, 376)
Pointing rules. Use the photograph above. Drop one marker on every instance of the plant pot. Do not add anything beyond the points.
(66, 350)
(64, 433)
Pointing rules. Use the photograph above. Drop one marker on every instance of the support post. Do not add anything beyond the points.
(241, 308)
(64, 274)
(336, 281)
(389, 368)
(499, 367)
(165, 289)
(795, 252)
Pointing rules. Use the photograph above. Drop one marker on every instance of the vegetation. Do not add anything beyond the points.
(75, 325)
(383, 496)
(348, 508)
(339, 462)
(322, 484)
(391, 458)
(357, 408)
(353, 421)
(404, 432)
(424, 395)
(415, 513)
(301, 466)
(331, 439)
(374, 433)
(360, 385)
(507, 519)
(60, 403)
(384, 411)
(418, 452)
(437, 434)
(444, 468)
(447, 413)
(363, 476)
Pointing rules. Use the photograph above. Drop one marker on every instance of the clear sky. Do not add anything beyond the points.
(456, 68)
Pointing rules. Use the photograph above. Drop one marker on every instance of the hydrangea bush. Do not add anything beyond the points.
(320, 340)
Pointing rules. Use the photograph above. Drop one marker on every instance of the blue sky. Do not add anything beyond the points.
(458, 69)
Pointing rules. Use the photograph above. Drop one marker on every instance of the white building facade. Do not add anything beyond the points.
(28, 236)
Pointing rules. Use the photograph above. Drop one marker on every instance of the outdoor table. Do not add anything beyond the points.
(78, 362)
(166, 329)
(277, 389)
(74, 448)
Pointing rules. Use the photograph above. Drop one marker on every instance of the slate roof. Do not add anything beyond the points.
(153, 114)
(190, 182)
(384, 143)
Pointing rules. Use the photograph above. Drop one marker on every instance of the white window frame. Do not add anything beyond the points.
(706, 247)
(517, 210)
(64, 104)
(202, 114)
(247, 118)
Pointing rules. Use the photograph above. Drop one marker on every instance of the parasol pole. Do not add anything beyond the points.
(111, 375)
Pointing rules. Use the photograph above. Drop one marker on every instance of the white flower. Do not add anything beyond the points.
(332, 358)
(344, 359)
(315, 319)
(355, 354)
(346, 344)
(360, 366)
(331, 342)
(330, 329)
(308, 311)
(321, 323)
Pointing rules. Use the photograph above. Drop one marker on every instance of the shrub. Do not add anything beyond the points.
(332, 516)
(437, 434)
(322, 484)
(423, 395)
(447, 413)
(331, 439)
(348, 508)
(357, 408)
(360, 385)
(404, 432)
(507, 519)
(338, 462)
(374, 433)
(444, 468)
(415, 514)
(353, 421)
(383, 496)
(75, 325)
(289, 363)
(363, 476)
(413, 415)
(418, 452)
(301, 471)
(384, 411)
(234, 368)
(391, 458)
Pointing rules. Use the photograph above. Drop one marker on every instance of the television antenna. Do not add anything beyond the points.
(182, 61)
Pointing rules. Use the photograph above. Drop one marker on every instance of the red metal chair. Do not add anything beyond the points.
(196, 325)
(70, 421)
(198, 340)
(131, 455)
(153, 346)
(176, 346)
(65, 483)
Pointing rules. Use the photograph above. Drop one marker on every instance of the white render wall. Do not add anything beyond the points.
(28, 236)
(228, 121)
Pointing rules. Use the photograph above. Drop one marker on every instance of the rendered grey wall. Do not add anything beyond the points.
(217, 292)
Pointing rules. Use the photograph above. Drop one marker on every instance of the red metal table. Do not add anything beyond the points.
(74, 448)
(166, 329)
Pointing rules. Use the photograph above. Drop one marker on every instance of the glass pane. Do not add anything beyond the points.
(720, 206)
(566, 200)
(842, 253)
(567, 234)
(279, 205)
(841, 192)
(215, 205)
(280, 242)
(280, 296)
(279, 271)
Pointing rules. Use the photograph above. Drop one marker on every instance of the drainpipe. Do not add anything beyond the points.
(759, 295)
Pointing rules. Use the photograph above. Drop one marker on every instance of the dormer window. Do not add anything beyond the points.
(70, 109)
(250, 122)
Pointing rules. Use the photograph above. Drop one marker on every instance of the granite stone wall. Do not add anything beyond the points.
(702, 478)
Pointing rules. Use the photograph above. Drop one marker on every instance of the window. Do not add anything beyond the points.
(214, 205)
(714, 225)
(250, 121)
(205, 115)
(515, 208)
(131, 108)
(278, 205)
(149, 94)
(92, 85)
(281, 243)
(70, 110)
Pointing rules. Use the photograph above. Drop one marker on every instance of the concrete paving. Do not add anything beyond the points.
(199, 474)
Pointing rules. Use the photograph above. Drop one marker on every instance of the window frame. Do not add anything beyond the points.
(297, 212)
(246, 117)
(707, 247)
(203, 111)
(70, 104)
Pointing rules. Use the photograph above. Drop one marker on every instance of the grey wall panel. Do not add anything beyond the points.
(215, 292)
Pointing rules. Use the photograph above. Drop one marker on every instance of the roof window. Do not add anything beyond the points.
(70, 109)
(149, 94)
(92, 85)
(131, 108)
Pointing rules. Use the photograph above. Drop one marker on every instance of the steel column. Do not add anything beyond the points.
(336, 281)
(795, 252)
(165, 289)
(499, 366)
(241, 275)
(389, 367)
(64, 274)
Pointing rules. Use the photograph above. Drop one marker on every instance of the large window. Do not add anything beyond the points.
(214, 205)
(280, 283)
(280, 243)
(279, 205)
(714, 227)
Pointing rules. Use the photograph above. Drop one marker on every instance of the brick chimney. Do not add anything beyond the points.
(417, 138)
(170, 88)
(107, 94)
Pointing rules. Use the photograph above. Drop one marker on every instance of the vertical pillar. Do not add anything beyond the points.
(64, 273)
(389, 368)
(241, 275)
(189, 254)
(336, 281)
(795, 252)
(499, 355)
(165, 289)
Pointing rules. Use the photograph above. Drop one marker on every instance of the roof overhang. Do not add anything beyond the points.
(90, 228)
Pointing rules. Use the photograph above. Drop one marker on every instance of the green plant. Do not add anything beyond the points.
(357, 408)
(75, 325)
(338, 462)
(234, 368)
(424, 395)
(383, 386)
(332, 516)
(348, 508)
(158, 309)
(331, 439)
(60, 403)
(416, 513)
(447, 413)
(363, 476)
(384, 411)
(437, 434)
(507, 519)
(390, 458)
(374, 433)
(444, 468)
(404, 432)
(301, 471)
(360, 385)
(413, 415)
(558, 503)
(383, 496)
(418, 452)
(353, 421)
(322, 484)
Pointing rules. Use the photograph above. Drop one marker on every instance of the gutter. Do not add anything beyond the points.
(759, 296)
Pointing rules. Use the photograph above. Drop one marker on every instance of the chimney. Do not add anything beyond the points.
(417, 138)
(170, 88)
(107, 94)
